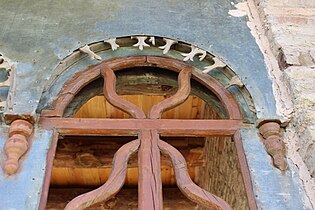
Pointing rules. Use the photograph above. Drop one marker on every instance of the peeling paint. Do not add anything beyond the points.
(284, 101)
(242, 10)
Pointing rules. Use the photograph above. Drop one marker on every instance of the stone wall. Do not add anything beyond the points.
(290, 29)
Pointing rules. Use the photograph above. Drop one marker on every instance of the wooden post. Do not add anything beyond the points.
(150, 183)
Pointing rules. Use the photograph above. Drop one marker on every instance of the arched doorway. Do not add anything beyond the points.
(65, 104)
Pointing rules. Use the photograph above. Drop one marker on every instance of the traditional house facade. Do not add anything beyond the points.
(209, 104)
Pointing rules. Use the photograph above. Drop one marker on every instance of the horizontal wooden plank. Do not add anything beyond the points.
(125, 199)
(98, 152)
(165, 127)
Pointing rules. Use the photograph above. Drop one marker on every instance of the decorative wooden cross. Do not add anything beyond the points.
(149, 146)
(148, 129)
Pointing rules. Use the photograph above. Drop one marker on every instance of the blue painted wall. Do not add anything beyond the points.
(37, 35)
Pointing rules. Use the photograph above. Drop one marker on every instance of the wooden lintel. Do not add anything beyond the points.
(165, 127)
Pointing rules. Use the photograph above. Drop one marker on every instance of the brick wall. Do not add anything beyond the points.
(221, 174)
(290, 29)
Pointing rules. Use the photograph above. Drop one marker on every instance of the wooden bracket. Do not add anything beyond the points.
(17, 144)
(273, 143)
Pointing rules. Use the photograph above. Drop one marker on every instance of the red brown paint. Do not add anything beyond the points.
(17, 144)
(148, 129)
(273, 143)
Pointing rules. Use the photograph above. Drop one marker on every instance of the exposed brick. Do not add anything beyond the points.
(291, 26)
(312, 54)
(291, 20)
(306, 59)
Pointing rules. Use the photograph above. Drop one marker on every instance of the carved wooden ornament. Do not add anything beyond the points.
(148, 128)
(273, 144)
(17, 144)
(148, 146)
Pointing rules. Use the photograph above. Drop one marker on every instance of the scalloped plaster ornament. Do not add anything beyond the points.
(86, 49)
(167, 46)
(217, 64)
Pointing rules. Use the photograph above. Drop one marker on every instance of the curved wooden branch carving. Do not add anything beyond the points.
(186, 185)
(114, 182)
(112, 97)
(213, 85)
(179, 97)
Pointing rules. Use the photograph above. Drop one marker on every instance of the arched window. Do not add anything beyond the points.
(148, 128)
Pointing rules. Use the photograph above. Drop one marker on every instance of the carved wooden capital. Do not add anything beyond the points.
(17, 144)
(273, 143)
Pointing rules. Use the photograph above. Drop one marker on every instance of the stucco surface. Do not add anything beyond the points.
(272, 189)
(37, 35)
(22, 191)
(290, 32)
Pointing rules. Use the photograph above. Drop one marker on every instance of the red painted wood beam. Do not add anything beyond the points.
(165, 127)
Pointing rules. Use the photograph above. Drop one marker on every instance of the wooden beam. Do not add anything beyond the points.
(131, 127)
(125, 199)
(98, 152)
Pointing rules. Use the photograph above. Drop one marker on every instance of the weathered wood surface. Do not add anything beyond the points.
(148, 131)
(81, 79)
(98, 152)
(178, 98)
(186, 185)
(213, 85)
(48, 174)
(16, 145)
(130, 127)
(274, 145)
(150, 182)
(111, 95)
(87, 161)
(99, 107)
(127, 198)
(113, 184)
(70, 89)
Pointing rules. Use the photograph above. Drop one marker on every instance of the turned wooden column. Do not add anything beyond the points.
(17, 144)
(273, 143)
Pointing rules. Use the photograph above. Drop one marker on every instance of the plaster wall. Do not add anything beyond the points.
(289, 27)
(38, 35)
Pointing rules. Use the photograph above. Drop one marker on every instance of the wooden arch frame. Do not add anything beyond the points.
(53, 119)
(80, 80)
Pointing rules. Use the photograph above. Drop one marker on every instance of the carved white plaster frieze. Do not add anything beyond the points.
(112, 43)
(217, 64)
(86, 49)
(141, 42)
(4, 63)
(5, 80)
(152, 40)
(194, 51)
(168, 45)
(235, 81)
